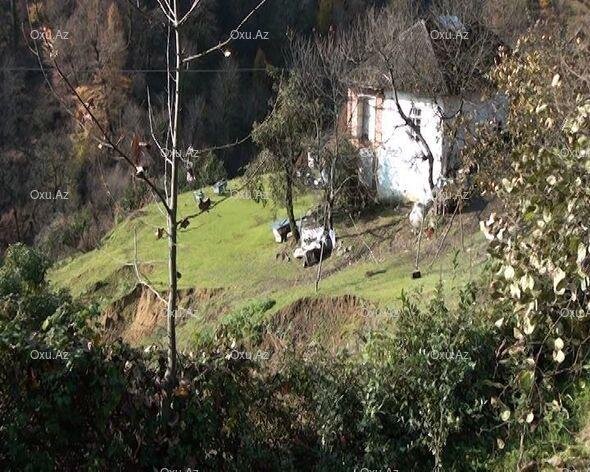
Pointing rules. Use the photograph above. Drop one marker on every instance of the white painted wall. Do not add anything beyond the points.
(402, 174)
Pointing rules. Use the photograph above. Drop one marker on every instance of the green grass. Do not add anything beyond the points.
(231, 247)
(227, 247)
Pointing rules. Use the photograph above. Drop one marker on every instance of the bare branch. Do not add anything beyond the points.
(165, 7)
(417, 132)
(224, 146)
(106, 136)
(191, 9)
(228, 40)
(363, 239)
(150, 118)
(143, 13)
(109, 142)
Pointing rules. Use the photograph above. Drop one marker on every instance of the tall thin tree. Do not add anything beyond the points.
(174, 18)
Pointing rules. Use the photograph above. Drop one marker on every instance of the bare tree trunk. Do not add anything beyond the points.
(374, 176)
(417, 132)
(289, 203)
(319, 272)
(172, 218)
(169, 197)
(331, 196)
(329, 213)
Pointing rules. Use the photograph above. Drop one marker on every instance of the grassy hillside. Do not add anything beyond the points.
(232, 248)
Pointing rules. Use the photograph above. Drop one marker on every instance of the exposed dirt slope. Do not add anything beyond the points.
(140, 314)
(312, 323)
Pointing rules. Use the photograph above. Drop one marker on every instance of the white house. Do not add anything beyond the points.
(393, 155)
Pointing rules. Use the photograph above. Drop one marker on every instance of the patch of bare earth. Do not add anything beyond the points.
(318, 324)
(140, 313)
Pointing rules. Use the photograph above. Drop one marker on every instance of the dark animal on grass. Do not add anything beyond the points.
(204, 202)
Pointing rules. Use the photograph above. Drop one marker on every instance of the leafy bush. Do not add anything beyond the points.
(23, 266)
(540, 245)
(68, 402)
(409, 394)
(248, 323)
(410, 399)
(135, 196)
(245, 326)
(208, 169)
(68, 233)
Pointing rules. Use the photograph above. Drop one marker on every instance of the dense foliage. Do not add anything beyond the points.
(69, 402)
(539, 167)
(443, 385)
(409, 395)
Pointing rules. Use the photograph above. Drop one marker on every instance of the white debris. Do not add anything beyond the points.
(417, 215)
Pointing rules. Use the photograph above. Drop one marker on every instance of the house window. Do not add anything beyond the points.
(415, 117)
(364, 117)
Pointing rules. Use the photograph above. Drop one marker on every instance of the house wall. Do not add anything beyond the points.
(402, 173)
(391, 160)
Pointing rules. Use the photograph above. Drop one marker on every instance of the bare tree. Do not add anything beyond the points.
(326, 65)
(393, 49)
(174, 19)
(323, 65)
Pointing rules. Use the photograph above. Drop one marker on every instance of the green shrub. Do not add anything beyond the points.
(209, 168)
(411, 399)
(91, 406)
(135, 196)
(67, 233)
(539, 245)
(247, 324)
(409, 394)
(23, 265)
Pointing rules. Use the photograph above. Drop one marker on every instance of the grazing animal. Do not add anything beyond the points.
(204, 202)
